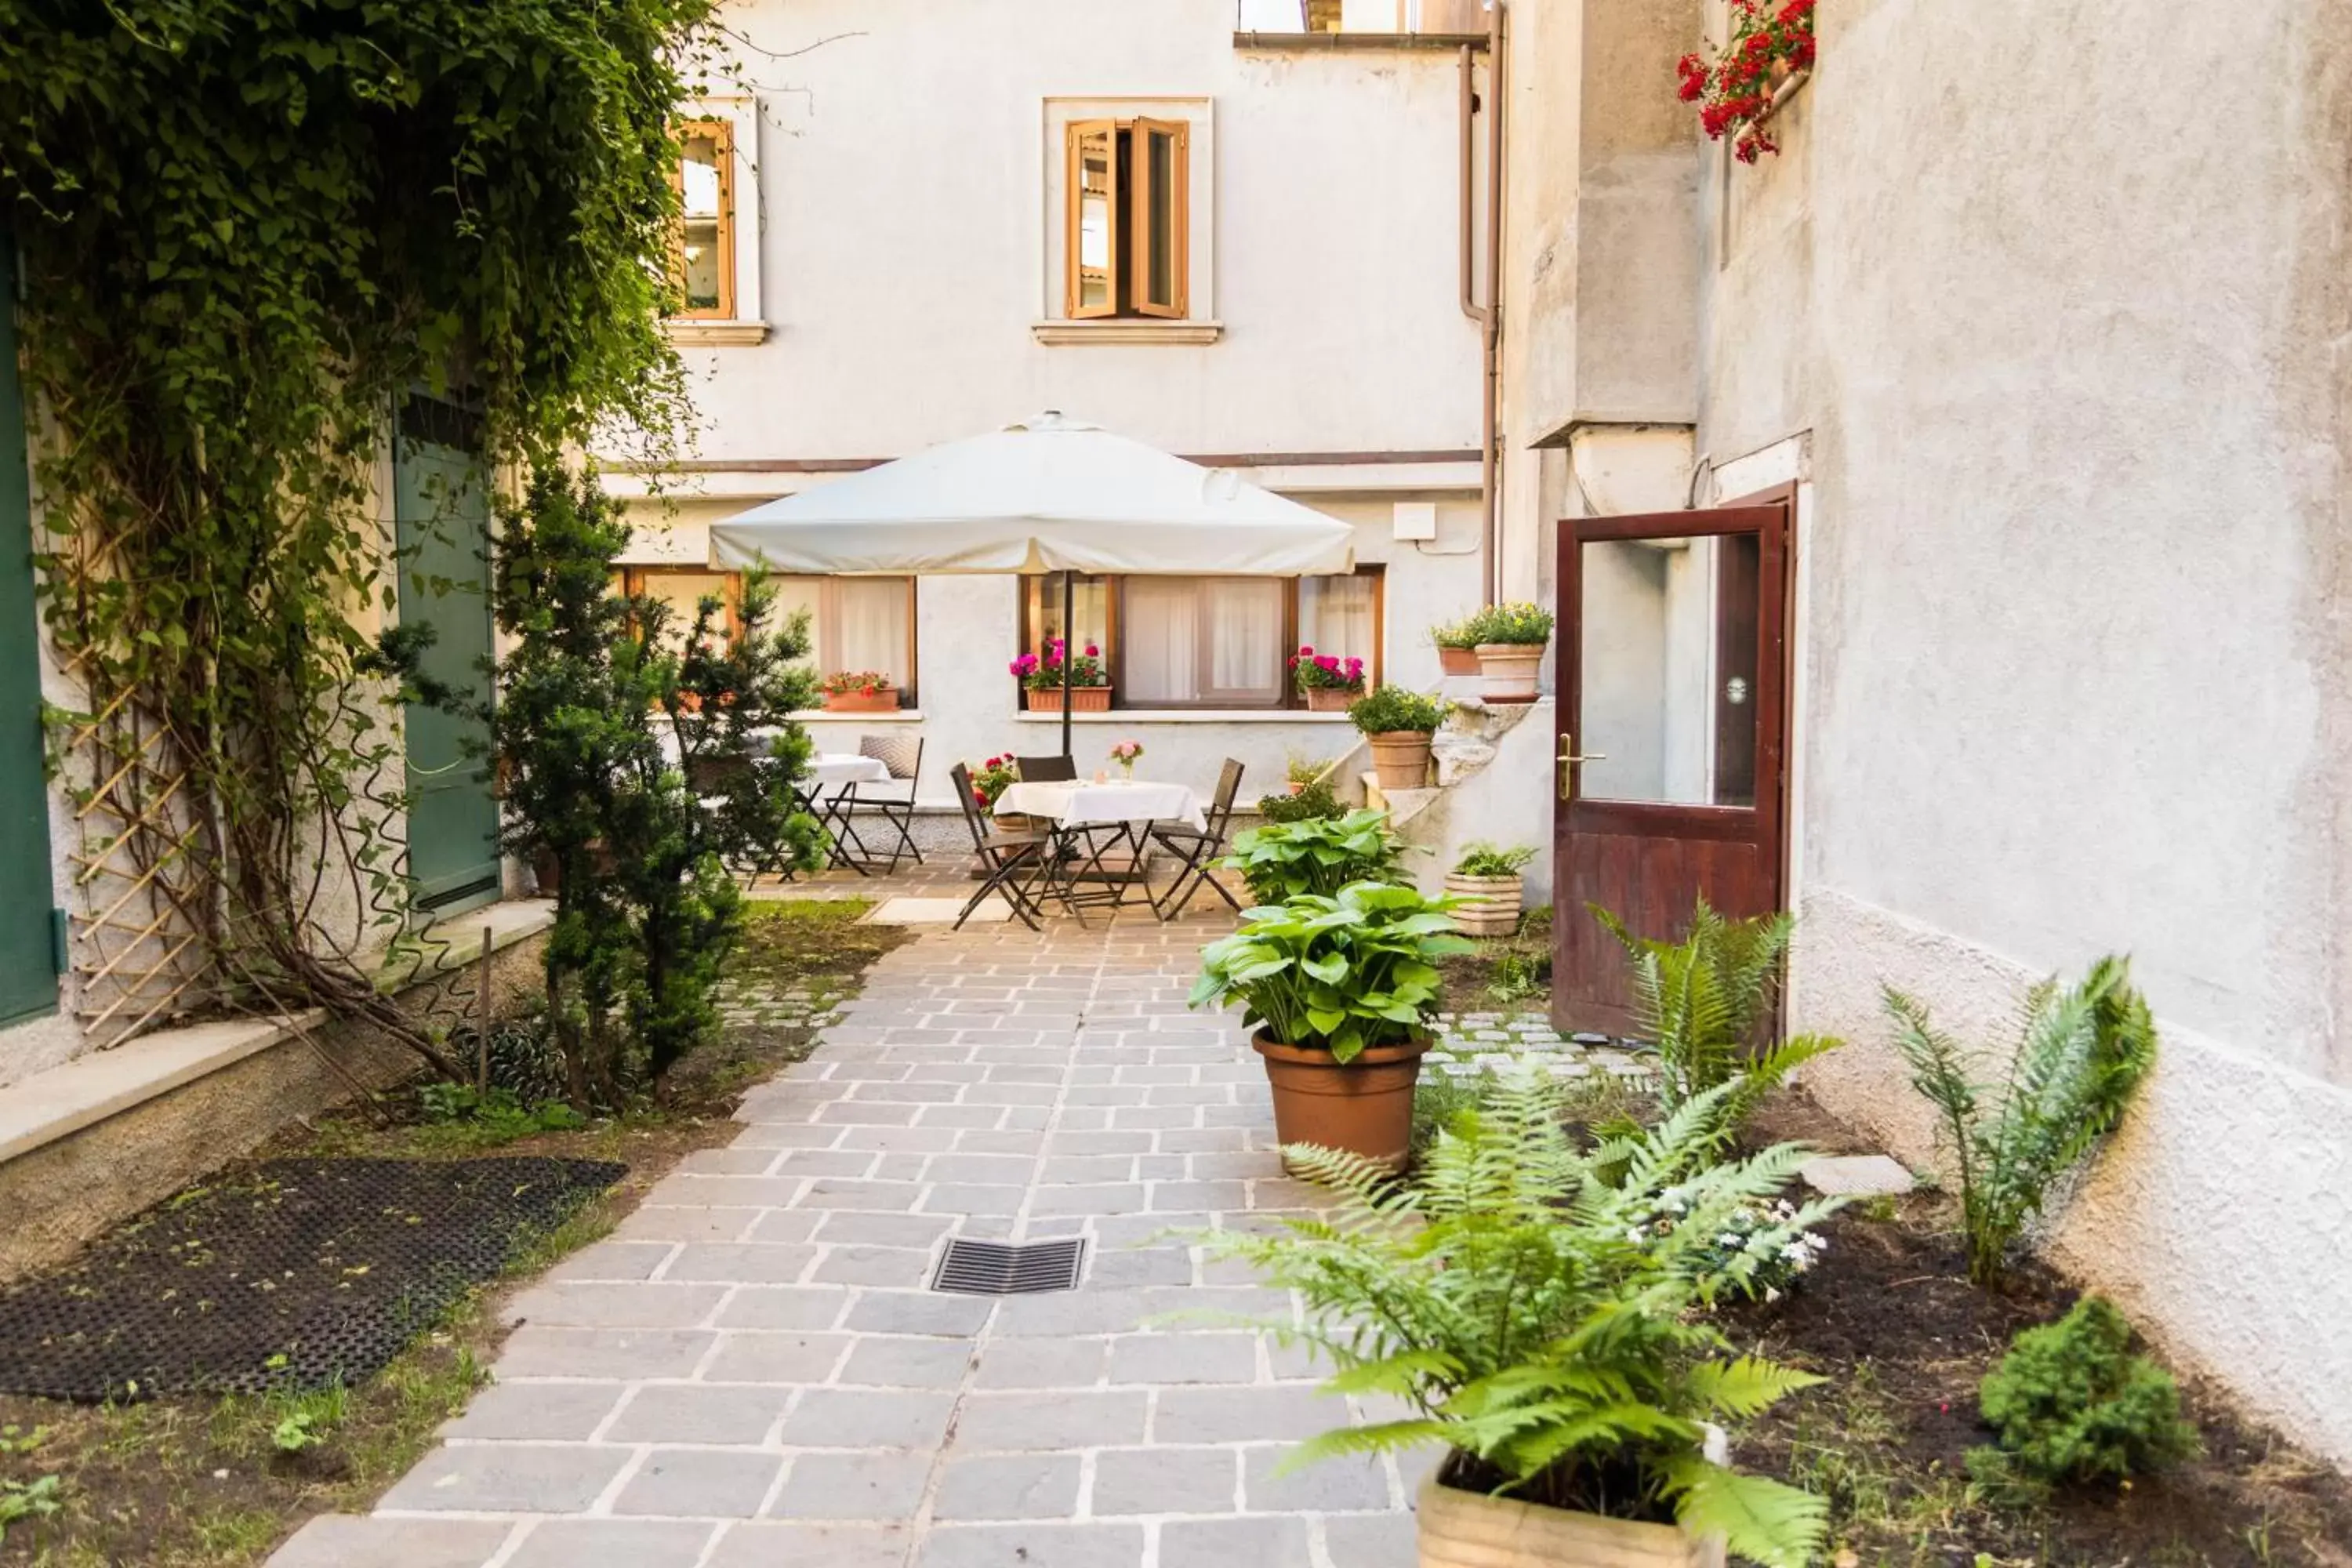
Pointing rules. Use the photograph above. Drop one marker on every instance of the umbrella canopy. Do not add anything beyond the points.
(1048, 494)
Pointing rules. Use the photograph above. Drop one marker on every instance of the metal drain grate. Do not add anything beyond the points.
(1005, 1268)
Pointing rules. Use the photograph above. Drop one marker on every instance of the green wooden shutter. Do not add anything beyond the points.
(28, 975)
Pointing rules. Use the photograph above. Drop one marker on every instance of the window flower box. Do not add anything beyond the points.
(1083, 700)
(859, 692)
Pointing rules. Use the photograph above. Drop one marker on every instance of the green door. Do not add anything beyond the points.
(441, 501)
(28, 974)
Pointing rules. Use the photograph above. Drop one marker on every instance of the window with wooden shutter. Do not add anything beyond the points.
(29, 970)
(1128, 238)
(705, 241)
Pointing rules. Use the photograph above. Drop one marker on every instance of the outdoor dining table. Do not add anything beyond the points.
(1128, 806)
(840, 772)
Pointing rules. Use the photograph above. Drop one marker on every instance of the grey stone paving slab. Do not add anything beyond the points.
(760, 1545)
(698, 1413)
(1184, 1358)
(534, 1352)
(1363, 1540)
(1244, 1414)
(1067, 1419)
(1009, 1486)
(1166, 1481)
(549, 1412)
(868, 1418)
(884, 1486)
(784, 1307)
(700, 1483)
(612, 1544)
(783, 1356)
(508, 1478)
(635, 1305)
(1332, 1486)
(1032, 1546)
(340, 1541)
(1856, 1176)
(908, 1363)
(1234, 1544)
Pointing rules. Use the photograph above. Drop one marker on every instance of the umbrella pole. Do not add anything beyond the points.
(1070, 648)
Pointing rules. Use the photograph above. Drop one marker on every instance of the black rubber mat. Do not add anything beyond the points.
(293, 1275)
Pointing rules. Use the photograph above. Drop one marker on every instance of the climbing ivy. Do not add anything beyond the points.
(245, 228)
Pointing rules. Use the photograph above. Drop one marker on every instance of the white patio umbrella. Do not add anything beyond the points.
(1049, 494)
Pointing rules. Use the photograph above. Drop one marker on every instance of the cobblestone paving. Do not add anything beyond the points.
(1471, 1043)
(751, 1371)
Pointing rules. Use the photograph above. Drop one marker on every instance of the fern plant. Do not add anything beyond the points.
(1543, 1320)
(1701, 1000)
(2080, 1053)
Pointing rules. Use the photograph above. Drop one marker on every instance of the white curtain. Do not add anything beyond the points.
(1335, 616)
(855, 622)
(1159, 641)
(1245, 619)
(682, 592)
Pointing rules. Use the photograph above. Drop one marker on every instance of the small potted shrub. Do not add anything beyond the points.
(1540, 1309)
(1041, 676)
(1457, 645)
(1337, 992)
(1398, 724)
(1316, 852)
(859, 692)
(1511, 640)
(1328, 681)
(1486, 880)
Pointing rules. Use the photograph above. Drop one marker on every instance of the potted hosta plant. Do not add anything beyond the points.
(1316, 855)
(1486, 879)
(1041, 676)
(1511, 640)
(1338, 991)
(859, 692)
(1457, 645)
(1328, 681)
(1399, 725)
(1540, 1309)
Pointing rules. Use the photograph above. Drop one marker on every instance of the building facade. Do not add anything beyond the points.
(1228, 243)
(2055, 403)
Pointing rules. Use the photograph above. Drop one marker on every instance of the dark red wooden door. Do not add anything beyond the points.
(1673, 735)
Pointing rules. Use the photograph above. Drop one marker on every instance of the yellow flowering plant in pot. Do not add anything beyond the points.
(1541, 1309)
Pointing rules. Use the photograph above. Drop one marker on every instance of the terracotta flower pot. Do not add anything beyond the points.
(1083, 700)
(1510, 670)
(1401, 757)
(881, 700)
(1457, 660)
(1364, 1105)
(1494, 909)
(1471, 1530)
(1331, 698)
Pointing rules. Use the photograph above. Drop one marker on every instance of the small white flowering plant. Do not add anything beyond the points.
(1759, 1248)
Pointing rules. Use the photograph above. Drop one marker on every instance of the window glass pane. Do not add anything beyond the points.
(704, 195)
(1335, 616)
(1043, 616)
(855, 622)
(682, 592)
(1669, 651)
(1160, 278)
(1096, 149)
(1201, 641)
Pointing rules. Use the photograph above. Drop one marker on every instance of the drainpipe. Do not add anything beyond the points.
(1488, 315)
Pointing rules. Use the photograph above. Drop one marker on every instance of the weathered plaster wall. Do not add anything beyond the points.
(2075, 652)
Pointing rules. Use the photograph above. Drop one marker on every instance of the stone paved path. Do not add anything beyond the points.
(751, 1371)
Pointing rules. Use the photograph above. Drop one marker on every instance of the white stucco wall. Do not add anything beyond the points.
(2072, 660)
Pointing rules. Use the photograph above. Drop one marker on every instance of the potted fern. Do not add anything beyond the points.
(1511, 639)
(1540, 1309)
(1339, 990)
(1487, 881)
(1401, 725)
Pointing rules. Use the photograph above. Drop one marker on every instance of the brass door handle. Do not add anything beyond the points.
(1569, 758)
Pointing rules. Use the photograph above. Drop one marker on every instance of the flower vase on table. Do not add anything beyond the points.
(1127, 753)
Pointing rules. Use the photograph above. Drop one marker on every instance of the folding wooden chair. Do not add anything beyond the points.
(1046, 770)
(1197, 850)
(1012, 860)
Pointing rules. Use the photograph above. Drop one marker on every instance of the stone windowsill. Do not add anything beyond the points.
(1125, 330)
(1450, 42)
(832, 716)
(1186, 716)
(717, 335)
(56, 1104)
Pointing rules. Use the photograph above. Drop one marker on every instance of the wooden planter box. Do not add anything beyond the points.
(884, 699)
(1494, 910)
(1471, 1530)
(1083, 700)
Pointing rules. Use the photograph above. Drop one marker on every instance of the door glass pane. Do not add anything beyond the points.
(1201, 642)
(1335, 616)
(704, 196)
(1096, 149)
(1043, 619)
(1668, 646)
(1160, 147)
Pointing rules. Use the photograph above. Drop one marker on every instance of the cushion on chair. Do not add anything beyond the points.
(897, 752)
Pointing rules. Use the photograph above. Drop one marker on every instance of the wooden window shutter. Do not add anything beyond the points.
(704, 253)
(1092, 220)
(1161, 186)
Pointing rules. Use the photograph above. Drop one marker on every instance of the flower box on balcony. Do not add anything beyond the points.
(1083, 700)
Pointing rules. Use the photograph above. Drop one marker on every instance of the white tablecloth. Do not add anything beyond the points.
(1078, 804)
(838, 768)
